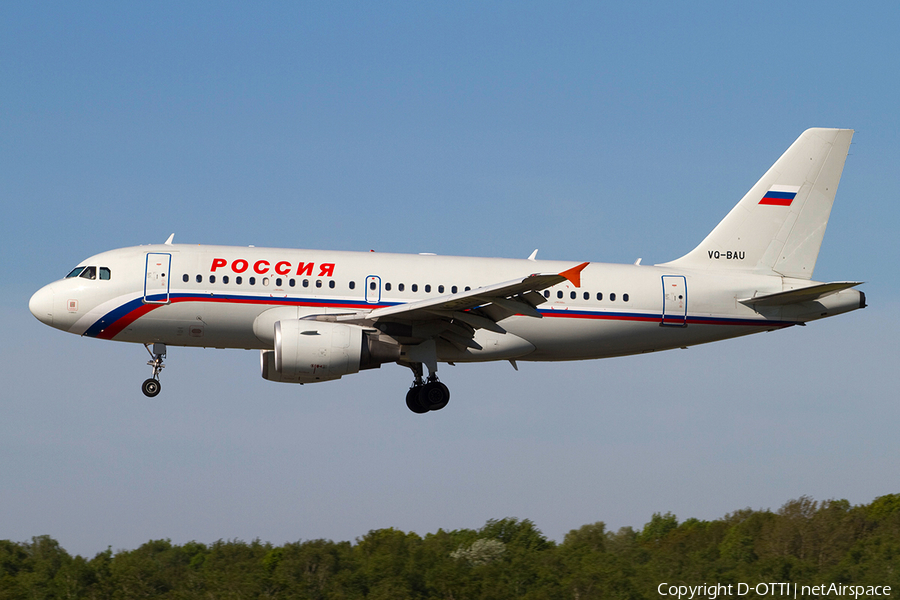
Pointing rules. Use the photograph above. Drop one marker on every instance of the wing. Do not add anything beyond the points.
(456, 317)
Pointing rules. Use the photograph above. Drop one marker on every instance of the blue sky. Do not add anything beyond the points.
(590, 131)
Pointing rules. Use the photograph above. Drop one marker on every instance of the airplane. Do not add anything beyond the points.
(318, 315)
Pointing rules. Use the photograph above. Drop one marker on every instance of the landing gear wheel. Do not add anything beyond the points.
(435, 395)
(150, 387)
(412, 400)
(426, 394)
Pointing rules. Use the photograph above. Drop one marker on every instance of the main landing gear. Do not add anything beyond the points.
(426, 395)
(151, 387)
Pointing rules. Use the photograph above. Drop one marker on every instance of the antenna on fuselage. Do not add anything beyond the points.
(169, 241)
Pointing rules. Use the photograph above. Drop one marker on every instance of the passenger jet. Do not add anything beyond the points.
(317, 315)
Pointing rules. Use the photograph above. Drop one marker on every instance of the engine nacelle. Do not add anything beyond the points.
(312, 351)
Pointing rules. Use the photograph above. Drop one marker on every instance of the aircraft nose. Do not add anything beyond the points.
(41, 305)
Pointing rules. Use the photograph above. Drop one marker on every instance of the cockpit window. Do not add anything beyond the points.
(104, 273)
(75, 272)
(89, 273)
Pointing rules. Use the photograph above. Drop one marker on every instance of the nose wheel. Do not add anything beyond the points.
(151, 387)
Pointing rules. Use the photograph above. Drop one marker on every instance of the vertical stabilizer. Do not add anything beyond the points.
(779, 224)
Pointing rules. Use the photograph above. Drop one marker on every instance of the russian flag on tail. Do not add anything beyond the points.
(780, 195)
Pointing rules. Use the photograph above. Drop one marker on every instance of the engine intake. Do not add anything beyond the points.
(312, 351)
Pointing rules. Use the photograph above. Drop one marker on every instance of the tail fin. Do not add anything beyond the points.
(778, 226)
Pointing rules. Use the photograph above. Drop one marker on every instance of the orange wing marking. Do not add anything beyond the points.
(574, 274)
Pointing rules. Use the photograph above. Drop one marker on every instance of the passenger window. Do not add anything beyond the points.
(318, 283)
(75, 272)
(278, 282)
(400, 287)
(546, 293)
(599, 295)
(331, 284)
(387, 287)
(373, 285)
(352, 285)
(468, 288)
(624, 297)
(559, 294)
(105, 273)
(573, 295)
(415, 287)
(252, 281)
(587, 296)
(453, 290)
(186, 278)
(440, 289)
(225, 279)
(199, 278)
(265, 281)
(89, 273)
(427, 288)
(306, 283)
(239, 280)
(612, 297)
(212, 278)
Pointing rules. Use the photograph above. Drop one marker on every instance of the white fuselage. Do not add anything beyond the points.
(229, 297)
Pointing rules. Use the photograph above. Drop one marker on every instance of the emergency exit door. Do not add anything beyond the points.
(373, 289)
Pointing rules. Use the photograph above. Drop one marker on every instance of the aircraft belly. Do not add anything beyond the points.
(581, 339)
(204, 324)
(577, 339)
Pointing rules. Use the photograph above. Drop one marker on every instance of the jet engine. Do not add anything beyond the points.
(312, 351)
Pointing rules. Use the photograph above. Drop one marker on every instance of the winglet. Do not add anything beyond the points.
(574, 274)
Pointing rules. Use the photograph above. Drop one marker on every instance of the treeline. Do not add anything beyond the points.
(806, 542)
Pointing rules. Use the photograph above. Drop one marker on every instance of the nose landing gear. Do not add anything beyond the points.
(151, 387)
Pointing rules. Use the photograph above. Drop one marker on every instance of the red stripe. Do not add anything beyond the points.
(668, 319)
(115, 328)
(567, 315)
(776, 201)
(277, 301)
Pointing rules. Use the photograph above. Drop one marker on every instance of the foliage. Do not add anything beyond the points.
(805, 541)
(481, 552)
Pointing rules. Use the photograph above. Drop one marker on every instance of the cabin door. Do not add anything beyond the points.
(674, 311)
(156, 278)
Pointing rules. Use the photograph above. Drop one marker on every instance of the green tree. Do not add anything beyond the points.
(659, 525)
(387, 559)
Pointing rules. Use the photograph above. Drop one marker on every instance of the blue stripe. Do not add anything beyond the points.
(780, 195)
(112, 316)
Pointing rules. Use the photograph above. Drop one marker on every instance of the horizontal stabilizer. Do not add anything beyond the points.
(807, 294)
